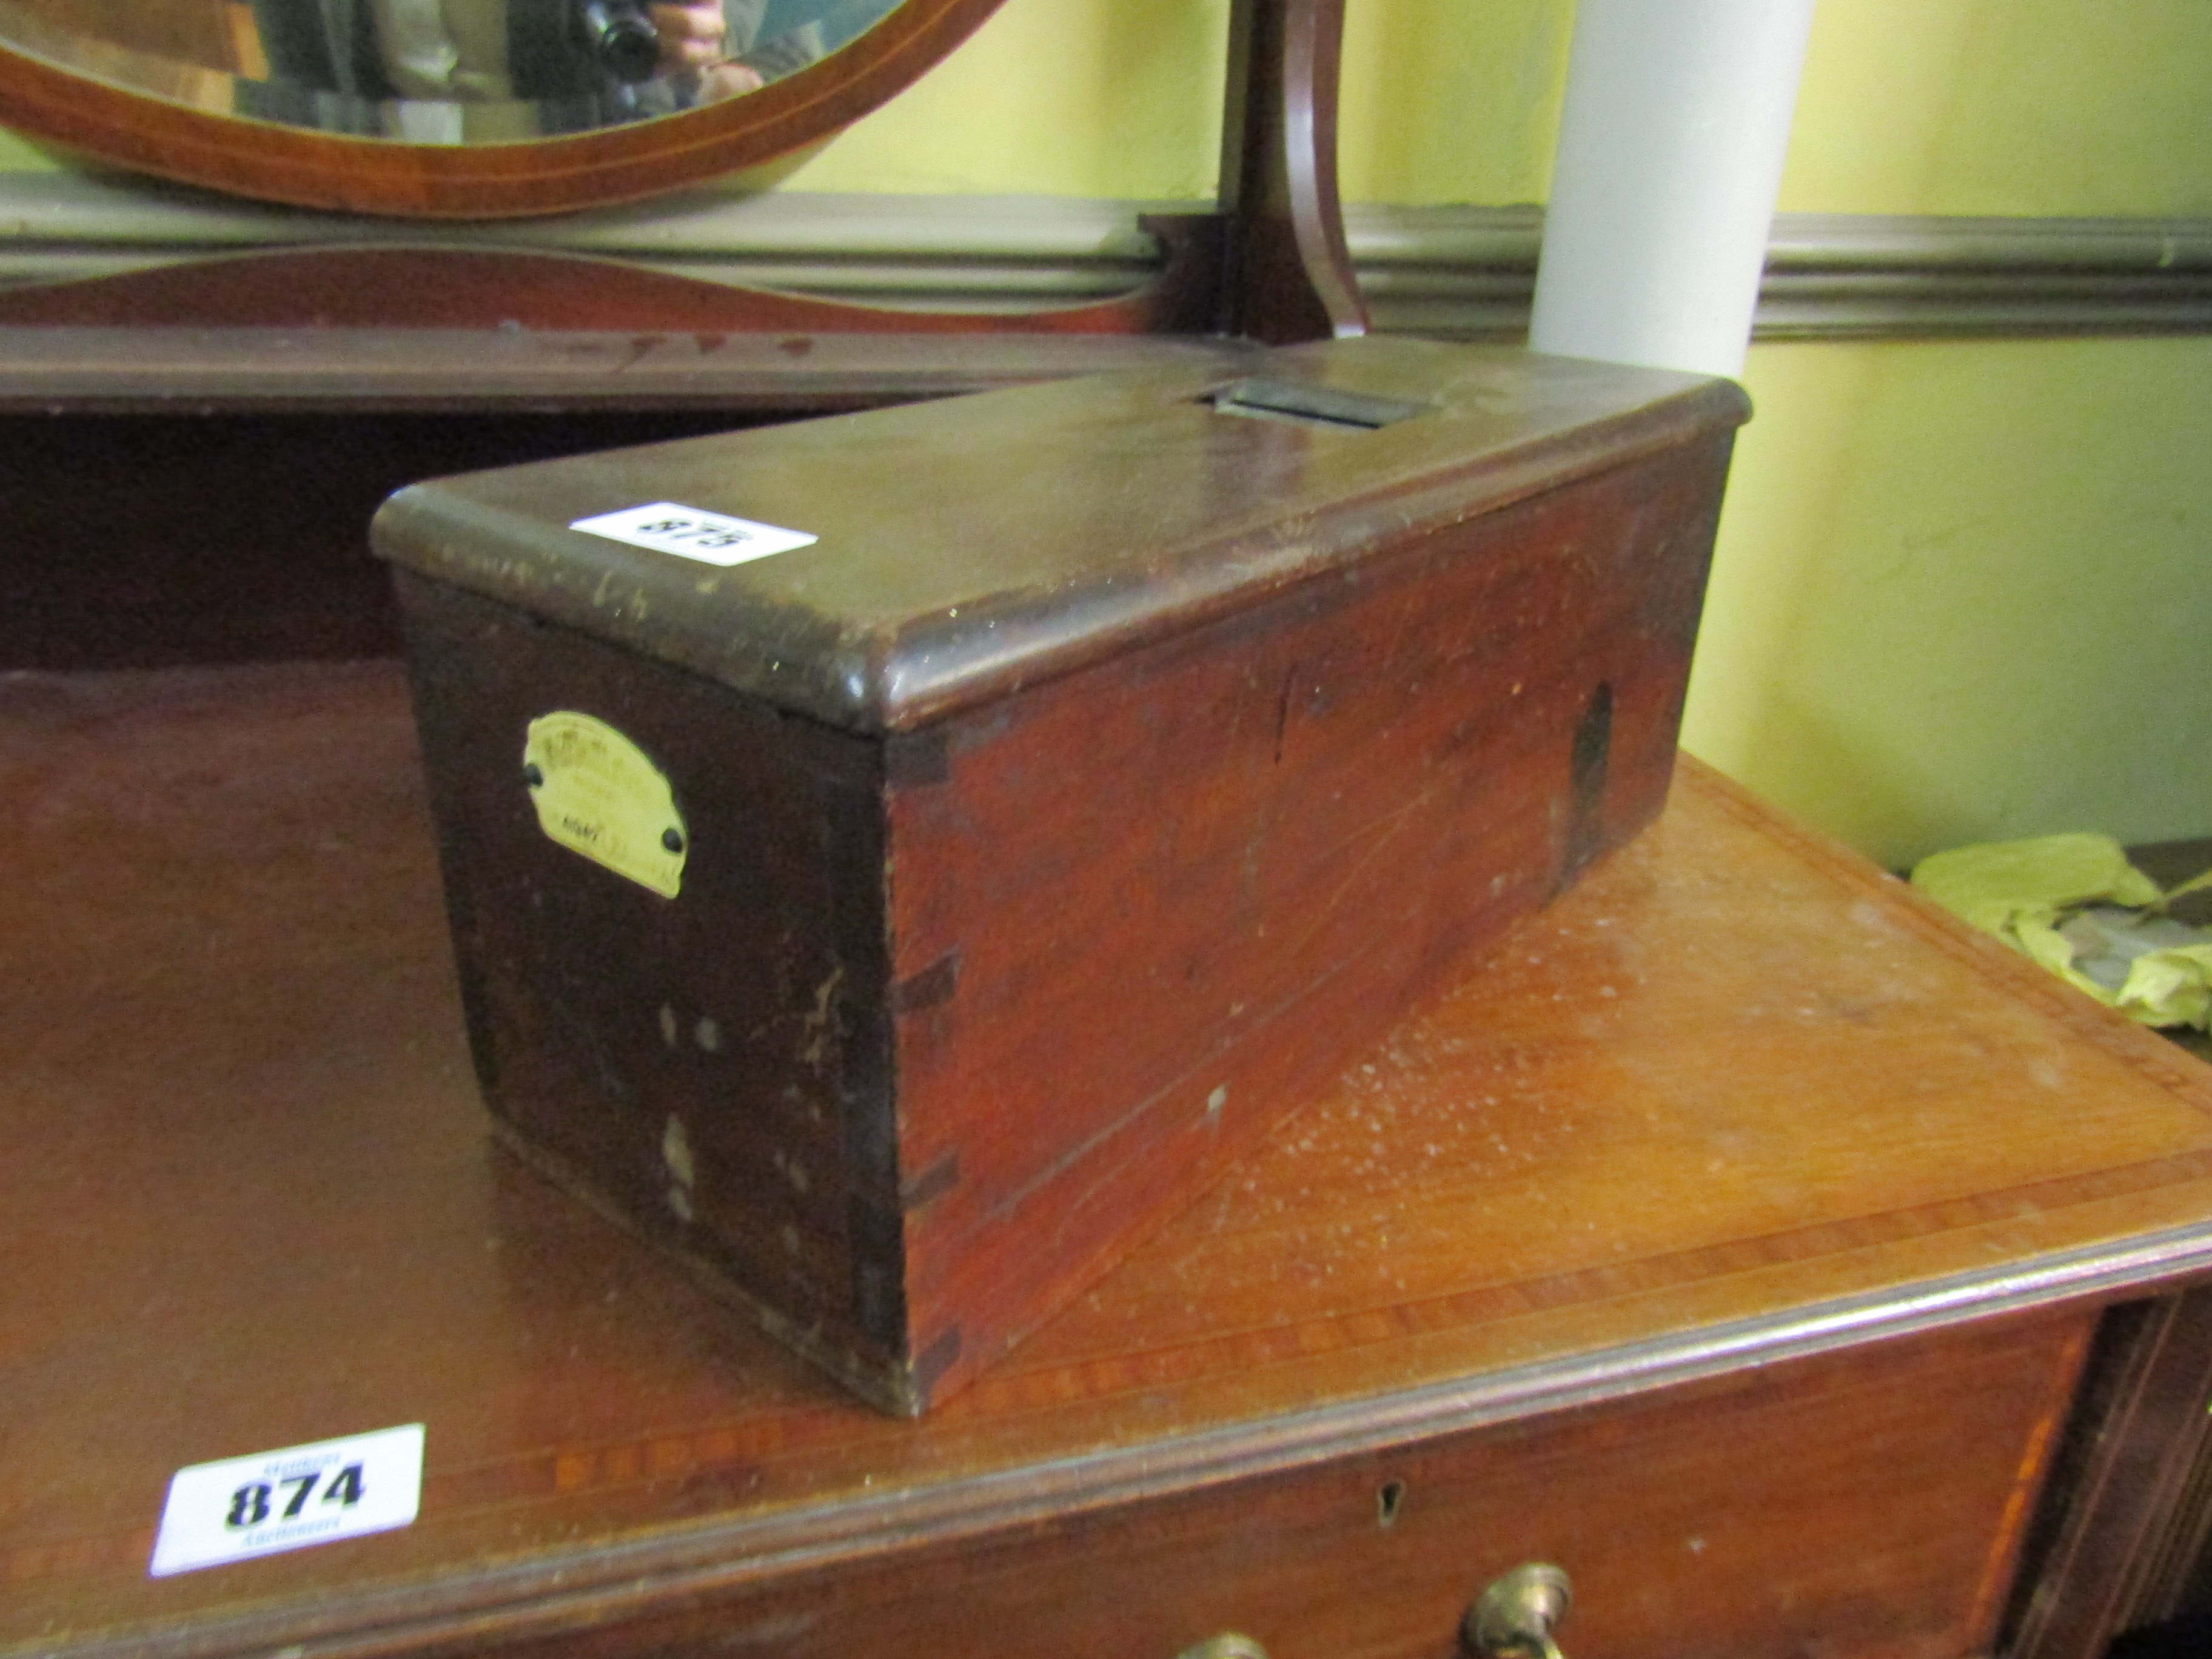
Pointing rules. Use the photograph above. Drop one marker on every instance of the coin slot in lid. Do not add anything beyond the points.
(1304, 404)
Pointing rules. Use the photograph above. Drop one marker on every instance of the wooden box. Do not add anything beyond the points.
(894, 924)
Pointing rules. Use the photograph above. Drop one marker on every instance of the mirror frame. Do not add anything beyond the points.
(747, 134)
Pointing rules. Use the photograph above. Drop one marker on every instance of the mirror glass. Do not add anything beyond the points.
(438, 72)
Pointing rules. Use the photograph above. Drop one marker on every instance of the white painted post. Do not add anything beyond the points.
(1670, 153)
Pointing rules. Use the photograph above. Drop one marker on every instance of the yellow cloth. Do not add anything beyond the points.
(2063, 901)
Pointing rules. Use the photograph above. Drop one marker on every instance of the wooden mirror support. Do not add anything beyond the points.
(1270, 265)
(1291, 277)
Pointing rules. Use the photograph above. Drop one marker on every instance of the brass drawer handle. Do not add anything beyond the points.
(1227, 1645)
(1512, 1619)
(1515, 1616)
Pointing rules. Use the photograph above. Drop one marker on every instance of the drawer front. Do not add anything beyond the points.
(1864, 1504)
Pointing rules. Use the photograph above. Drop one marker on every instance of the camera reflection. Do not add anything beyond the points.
(450, 71)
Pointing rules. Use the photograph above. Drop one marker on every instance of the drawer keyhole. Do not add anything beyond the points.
(1388, 1502)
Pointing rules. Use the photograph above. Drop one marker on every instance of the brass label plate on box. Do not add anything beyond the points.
(596, 793)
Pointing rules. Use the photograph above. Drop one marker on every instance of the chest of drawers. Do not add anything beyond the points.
(1801, 1275)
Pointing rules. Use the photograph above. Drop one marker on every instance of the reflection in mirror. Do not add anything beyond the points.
(438, 71)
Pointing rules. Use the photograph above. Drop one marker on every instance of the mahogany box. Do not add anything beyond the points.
(893, 858)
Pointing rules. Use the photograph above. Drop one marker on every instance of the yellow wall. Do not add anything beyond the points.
(2055, 108)
(1114, 97)
(1962, 588)
(2038, 107)
(1964, 591)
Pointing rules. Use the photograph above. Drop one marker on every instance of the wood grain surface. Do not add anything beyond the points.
(1736, 1102)
(163, 369)
(967, 550)
(1175, 891)
(513, 290)
(1866, 1504)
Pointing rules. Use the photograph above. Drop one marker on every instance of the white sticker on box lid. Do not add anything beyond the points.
(274, 1501)
(691, 532)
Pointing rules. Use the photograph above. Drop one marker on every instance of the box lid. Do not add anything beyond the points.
(963, 548)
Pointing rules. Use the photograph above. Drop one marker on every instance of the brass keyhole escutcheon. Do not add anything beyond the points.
(1517, 1614)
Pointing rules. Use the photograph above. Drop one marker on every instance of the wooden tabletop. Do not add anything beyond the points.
(1738, 1097)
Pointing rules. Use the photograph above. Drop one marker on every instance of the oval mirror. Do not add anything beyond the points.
(458, 108)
